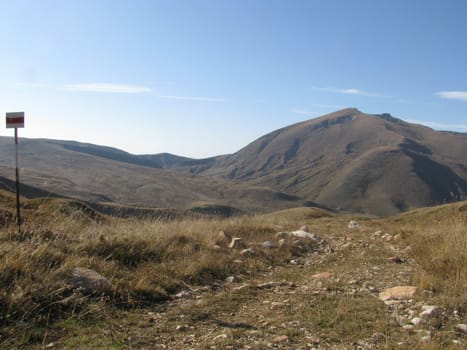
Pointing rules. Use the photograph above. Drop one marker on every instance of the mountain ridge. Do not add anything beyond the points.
(346, 160)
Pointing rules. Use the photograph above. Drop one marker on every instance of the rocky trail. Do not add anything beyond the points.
(335, 296)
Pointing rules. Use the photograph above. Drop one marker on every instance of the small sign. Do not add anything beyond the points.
(15, 120)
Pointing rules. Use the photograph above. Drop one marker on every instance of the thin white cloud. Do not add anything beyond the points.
(350, 91)
(301, 112)
(440, 126)
(453, 95)
(31, 85)
(319, 105)
(108, 88)
(193, 98)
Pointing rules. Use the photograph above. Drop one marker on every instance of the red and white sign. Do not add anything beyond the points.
(15, 120)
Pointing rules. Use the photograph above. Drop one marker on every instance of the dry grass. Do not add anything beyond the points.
(146, 261)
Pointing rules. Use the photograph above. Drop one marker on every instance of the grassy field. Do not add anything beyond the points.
(274, 294)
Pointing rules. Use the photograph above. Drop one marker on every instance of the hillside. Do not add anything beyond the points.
(354, 161)
(109, 176)
(76, 279)
(346, 160)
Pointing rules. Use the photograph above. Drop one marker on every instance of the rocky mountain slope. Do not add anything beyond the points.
(345, 160)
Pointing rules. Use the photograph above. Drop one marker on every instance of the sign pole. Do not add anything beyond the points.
(16, 120)
(18, 215)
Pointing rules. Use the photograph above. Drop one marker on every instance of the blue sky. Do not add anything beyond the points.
(202, 78)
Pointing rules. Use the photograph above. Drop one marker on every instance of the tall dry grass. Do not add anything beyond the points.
(441, 251)
(146, 261)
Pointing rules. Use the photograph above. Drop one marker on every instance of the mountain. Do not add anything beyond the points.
(355, 161)
(346, 160)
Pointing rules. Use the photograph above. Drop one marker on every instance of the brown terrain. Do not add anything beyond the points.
(347, 160)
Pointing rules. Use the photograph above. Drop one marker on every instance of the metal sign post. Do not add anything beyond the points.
(16, 120)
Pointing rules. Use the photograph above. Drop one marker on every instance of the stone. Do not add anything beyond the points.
(416, 321)
(280, 339)
(462, 327)
(216, 247)
(429, 311)
(307, 235)
(281, 242)
(89, 281)
(353, 224)
(277, 305)
(399, 292)
(323, 275)
(237, 243)
(425, 338)
(304, 228)
(408, 327)
(184, 294)
(268, 245)
(230, 279)
(221, 336)
(223, 237)
(181, 328)
(248, 252)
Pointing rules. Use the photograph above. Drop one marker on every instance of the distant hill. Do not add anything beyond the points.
(346, 160)
(106, 176)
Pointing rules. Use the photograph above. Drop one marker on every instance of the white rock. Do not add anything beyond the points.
(230, 279)
(237, 243)
(429, 311)
(425, 338)
(417, 321)
(304, 234)
(353, 224)
(268, 245)
(462, 327)
(247, 252)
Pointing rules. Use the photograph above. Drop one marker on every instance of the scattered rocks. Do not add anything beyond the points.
(237, 243)
(89, 281)
(398, 293)
(299, 234)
